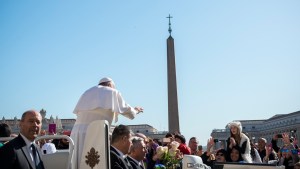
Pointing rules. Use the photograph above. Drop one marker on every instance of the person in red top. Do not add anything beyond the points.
(182, 147)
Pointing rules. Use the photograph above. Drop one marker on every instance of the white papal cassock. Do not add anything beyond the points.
(97, 103)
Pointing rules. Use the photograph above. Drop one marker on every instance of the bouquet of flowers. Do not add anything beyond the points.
(169, 158)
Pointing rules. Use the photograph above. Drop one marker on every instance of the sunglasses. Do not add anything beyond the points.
(219, 154)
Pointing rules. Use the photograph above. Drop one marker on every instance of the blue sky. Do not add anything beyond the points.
(236, 60)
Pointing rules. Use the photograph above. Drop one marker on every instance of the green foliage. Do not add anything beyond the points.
(171, 162)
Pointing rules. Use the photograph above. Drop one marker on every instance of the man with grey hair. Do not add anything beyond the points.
(137, 153)
(21, 152)
(193, 145)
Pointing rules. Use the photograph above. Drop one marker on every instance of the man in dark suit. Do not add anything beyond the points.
(137, 153)
(120, 144)
(21, 152)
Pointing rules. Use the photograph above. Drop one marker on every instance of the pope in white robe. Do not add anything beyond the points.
(101, 102)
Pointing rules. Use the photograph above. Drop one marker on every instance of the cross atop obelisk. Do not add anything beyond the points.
(173, 114)
(170, 29)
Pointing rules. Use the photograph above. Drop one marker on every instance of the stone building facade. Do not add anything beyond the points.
(280, 123)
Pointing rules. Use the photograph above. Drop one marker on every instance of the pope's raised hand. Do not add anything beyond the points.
(139, 109)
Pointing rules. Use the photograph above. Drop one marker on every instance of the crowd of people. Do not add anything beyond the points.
(239, 149)
(130, 150)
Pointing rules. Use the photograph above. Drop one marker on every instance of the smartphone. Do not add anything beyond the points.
(293, 133)
(279, 135)
(166, 140)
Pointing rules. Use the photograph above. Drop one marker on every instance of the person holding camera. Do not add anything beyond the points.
(208, 157)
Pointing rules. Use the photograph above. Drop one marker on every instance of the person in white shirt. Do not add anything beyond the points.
(21, 152)
(101, 102)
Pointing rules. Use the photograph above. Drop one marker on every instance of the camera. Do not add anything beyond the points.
(216, 140)
(279, 135)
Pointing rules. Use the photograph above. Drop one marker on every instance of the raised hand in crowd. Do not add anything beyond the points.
(210, 145)
(232, 142)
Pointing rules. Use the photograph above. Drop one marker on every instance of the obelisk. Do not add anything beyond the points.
(173, 114)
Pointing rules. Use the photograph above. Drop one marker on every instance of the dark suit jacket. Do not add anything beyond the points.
(133, 163)
(118, 162)
(14, 155)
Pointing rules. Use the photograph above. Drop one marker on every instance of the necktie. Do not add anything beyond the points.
(127, 163)
(35, 157)
(142, 166)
